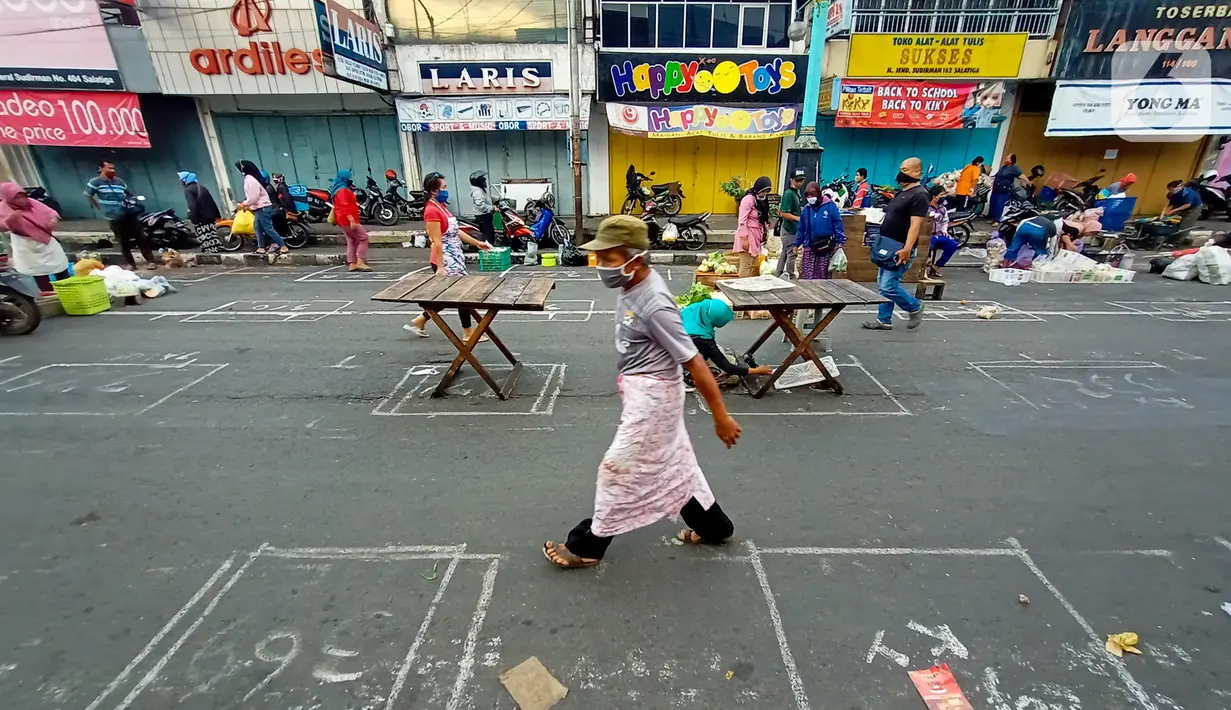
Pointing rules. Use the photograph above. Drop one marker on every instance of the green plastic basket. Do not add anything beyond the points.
(495, 259)
(82, 295)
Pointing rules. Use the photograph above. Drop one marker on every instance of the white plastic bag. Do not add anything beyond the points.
(1214, 265)
(994, 254)
(1182, 269)
(773, 246)
(671, 234)
(838, 263)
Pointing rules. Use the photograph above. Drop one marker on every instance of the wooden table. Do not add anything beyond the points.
(470, 294)
(826, 294)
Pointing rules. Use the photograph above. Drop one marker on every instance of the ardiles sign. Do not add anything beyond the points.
(250, 18)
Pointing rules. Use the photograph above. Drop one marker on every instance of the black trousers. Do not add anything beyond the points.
(487, 226)
(463, 316)
(128, 231)
(44, 282)
(712, 525)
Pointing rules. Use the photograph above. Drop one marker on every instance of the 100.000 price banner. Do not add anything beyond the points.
(72, 118)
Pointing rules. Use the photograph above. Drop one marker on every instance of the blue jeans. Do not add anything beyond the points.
(946, 245)
(265, 232)
(889, 281)
(1027, 233)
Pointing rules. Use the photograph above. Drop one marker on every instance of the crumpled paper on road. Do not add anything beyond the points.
(1118, 644)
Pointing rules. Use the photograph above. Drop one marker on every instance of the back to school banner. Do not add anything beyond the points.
(915, 104)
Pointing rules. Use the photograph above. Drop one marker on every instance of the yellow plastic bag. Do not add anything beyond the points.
(244, 223)
(332, 218)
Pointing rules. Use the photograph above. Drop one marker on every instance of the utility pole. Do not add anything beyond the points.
(807, 151)
(576, 36)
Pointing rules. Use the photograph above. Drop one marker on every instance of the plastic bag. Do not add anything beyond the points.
(1182, 269)
(838, 263)
(671, 234)
(244, 223)
(773, 246)
(1214, 265)
(332, 218)
(995, 254)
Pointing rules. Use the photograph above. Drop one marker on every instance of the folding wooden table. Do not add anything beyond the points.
(817, 295)
(470, 294)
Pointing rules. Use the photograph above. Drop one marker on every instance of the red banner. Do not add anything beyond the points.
(905, 104)
(72, 118)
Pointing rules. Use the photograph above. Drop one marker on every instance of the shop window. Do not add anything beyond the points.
(779, 19)
(752, 29)
(641, 25)
(699, 19)
(726, 26)
(670, 25)
(615, 25)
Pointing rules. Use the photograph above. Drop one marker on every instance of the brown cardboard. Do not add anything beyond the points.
(532, 686)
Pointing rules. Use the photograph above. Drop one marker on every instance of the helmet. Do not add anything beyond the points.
(478, 178)
(391, 174)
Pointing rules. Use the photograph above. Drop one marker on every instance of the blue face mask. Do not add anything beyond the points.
(442, 197)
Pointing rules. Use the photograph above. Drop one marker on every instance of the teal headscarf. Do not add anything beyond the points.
(187, 177)
(701, 318)
(341, 181)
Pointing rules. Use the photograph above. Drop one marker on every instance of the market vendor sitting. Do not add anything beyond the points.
(701, 319)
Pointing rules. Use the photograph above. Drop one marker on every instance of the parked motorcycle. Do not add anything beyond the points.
(839, 190)
(688, 232)
(668, 195)
(1080, 196)
(314, 203)
(373, 207)
(548, 229)
(298, 237)
(1213, 191)
(38, 193)
(1015, 212)
(19, 313)
(164, 228)
(408, 209)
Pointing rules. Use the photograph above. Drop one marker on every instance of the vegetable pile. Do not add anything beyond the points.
(717, 263)
(699, 292)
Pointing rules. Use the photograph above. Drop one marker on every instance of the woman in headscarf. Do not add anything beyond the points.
(750, 225)
(256, 199)
(820, 233)
(346, 214)
(35, 251)
(202, 212)
(701, 320)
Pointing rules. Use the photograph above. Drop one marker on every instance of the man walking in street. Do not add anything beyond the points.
(111, 195)
(789, 210)
(903, 223)
(650, 471)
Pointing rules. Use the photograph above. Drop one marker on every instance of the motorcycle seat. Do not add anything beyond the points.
(663, 186)
(685, 220)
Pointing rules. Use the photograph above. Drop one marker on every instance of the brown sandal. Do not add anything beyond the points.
(557, 554)
(689, 537)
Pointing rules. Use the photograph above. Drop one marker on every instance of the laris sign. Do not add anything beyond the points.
(743, 79)
(72, 118)
(485, 77)
(352, 48)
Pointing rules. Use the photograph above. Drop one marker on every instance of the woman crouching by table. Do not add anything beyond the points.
(820, 233)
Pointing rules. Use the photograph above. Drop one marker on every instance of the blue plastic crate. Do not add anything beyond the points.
(1116, 212)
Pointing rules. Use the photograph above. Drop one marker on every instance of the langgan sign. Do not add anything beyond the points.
(680, 78)
(1146, 39)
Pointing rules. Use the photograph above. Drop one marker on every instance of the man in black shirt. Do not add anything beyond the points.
(903, 222)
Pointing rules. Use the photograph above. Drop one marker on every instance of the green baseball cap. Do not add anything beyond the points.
(620, 230)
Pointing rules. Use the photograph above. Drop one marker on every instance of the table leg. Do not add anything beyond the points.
(508, 354)
(803, 347)
(761, 340)
(464, 348)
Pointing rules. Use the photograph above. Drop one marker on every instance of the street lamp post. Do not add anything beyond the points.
(807, 151)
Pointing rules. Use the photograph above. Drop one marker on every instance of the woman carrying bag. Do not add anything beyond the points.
(820, 233)
(750, 227)
(202, 212)
(35, 251)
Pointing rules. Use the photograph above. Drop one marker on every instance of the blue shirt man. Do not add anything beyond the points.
(107, 192)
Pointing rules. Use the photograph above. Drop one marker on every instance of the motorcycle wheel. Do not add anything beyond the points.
(19, 314)
(670, 204)
(694, 238)
(628, 206)
(559, 233)
(386, 215)
(298, 237)
(1066, 204)
(961, 233)
(228, 241)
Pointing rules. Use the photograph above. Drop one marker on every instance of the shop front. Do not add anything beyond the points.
(509, 118)
(302, 103)
(701, 120)
(1141, 86)
(938, 97)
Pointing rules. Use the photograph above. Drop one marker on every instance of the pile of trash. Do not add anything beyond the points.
(122, 283)
(1209, 263)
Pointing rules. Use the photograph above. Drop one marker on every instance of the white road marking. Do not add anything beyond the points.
(890, 551)
(318, 273)
(342, 364)
(788, 658)
(179, 615)
(880, 649)
(1222, 542)
(942, 633)
(10, 359)
(184, 387)
(400, 678)
(465, 667)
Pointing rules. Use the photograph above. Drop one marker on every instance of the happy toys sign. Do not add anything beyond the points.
(753, 79)
(703, 120)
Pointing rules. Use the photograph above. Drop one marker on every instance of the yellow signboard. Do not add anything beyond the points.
(825, 100)
(921, 56)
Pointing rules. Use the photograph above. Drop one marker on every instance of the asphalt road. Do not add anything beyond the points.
(239, 497)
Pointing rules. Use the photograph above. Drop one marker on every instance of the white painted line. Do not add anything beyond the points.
(383, 402)
(298, 552)
(891, 551)
(554, 370)
(342, 364)
(412, 272)
(855, 361)
(788, 659)
(183, 387)
(1222, 542)
(1135, 690)
(179, 615)
(10, 359)
(318, 273)
(162, 662)
(1007, 388)
(465, 667)
(24, 374)
(399, 679)
(506, 271)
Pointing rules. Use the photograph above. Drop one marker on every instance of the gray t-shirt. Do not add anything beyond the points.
(649, 335)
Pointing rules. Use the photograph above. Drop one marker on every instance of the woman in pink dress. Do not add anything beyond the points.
(750, 226)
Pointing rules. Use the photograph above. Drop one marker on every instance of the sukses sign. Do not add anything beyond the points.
(731, 79)
(919, 56)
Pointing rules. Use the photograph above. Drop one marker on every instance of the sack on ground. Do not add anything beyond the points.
(1214, 265)
(1182, 269)
(1160, 263)
(773, 246)
(570, 255)
(838, 263)
(244, 223)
